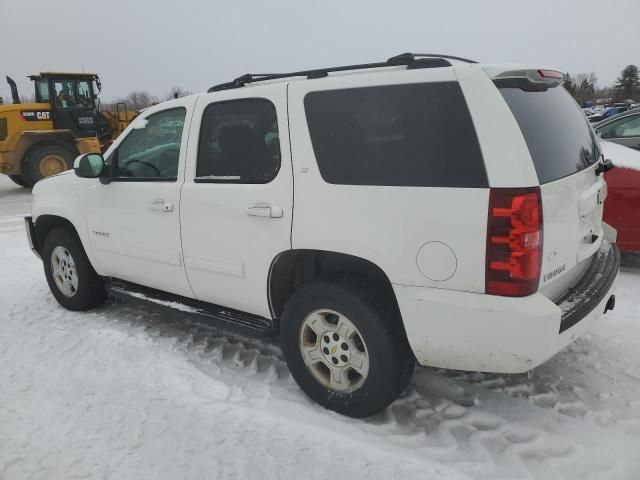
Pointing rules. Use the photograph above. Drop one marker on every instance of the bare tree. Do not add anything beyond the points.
(176, 92)
(139, 99)
(135, 100)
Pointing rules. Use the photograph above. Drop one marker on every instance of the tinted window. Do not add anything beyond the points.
(397, 135)
(557, 133)
(152, 150)
(239, 142)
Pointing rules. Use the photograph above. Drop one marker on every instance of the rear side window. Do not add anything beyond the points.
(239, 142)
(557, 133)
(397, 135)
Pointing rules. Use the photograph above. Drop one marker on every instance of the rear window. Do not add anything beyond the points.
(397, 135)
(555, 129)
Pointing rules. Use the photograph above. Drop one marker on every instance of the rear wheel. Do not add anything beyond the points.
(346, 347)
(71, 278)
(46, 160)
(19, 180)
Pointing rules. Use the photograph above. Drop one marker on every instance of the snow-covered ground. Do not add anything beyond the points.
(132, 391)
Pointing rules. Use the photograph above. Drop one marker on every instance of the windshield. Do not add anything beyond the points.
(73, 94)
(557, 133)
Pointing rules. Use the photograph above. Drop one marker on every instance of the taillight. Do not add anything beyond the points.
(514, 241)
(550, 74)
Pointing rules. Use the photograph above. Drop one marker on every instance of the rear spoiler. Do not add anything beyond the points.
(541, 75)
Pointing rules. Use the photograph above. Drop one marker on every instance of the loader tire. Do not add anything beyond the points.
(44, 161)
(19, 180)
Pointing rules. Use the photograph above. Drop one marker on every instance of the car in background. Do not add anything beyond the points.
(622, 206)
(623, 129)
(607, 113)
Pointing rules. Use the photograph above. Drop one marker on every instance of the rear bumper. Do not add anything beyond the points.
(471, 331)
(594, 287)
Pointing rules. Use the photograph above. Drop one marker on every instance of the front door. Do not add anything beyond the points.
(133, 221)
(237, 198)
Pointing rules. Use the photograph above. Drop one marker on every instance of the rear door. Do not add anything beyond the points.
(237, 200)
(564, 151)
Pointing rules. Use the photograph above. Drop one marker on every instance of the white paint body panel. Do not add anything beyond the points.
(470, 331)
(228, 253)
(209, 248)
(143, 243)
(385, 225)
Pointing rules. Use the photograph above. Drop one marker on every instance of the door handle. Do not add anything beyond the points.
(160, 205)
(262, 209)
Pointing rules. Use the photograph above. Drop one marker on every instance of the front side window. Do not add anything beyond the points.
(152, 149)
(239, 142)
(417, 135)
(84, 96)
(65, 94)
(624, 128)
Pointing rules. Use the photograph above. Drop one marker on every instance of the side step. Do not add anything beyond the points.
(215, 314)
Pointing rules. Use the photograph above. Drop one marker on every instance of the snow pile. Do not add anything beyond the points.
(621, 156)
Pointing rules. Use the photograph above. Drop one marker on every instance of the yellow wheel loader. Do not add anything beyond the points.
(43, 138)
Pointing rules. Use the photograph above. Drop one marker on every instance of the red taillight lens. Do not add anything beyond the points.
(514, 241)
(550, 74)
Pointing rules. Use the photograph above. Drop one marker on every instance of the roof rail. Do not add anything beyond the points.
(411, 60)
(435, 55)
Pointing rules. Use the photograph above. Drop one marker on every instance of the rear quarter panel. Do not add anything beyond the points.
(383, 224)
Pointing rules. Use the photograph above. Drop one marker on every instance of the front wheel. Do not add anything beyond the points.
(71, 278)
(346, 347)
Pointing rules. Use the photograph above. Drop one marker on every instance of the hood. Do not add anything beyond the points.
(621, 156)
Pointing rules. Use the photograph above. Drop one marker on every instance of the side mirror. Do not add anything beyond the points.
(89, 165)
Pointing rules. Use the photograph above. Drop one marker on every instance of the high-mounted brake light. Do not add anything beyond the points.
(550, 74)
(514, 241)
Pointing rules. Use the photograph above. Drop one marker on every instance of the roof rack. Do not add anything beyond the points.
(411, 60)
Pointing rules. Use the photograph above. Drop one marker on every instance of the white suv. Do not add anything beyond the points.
(427, 207)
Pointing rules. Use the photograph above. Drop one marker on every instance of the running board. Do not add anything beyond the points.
(217, 315)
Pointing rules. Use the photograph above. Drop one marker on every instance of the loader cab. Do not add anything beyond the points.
(73, 99)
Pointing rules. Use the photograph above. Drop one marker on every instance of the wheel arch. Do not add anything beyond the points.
(293, 269)
(44, 224)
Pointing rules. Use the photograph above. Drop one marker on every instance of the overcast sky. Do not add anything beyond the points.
(154, 45)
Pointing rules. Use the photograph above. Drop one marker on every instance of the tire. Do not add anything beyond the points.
(19, 180)
(378, 326)
(89, 290)
(45, 160)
